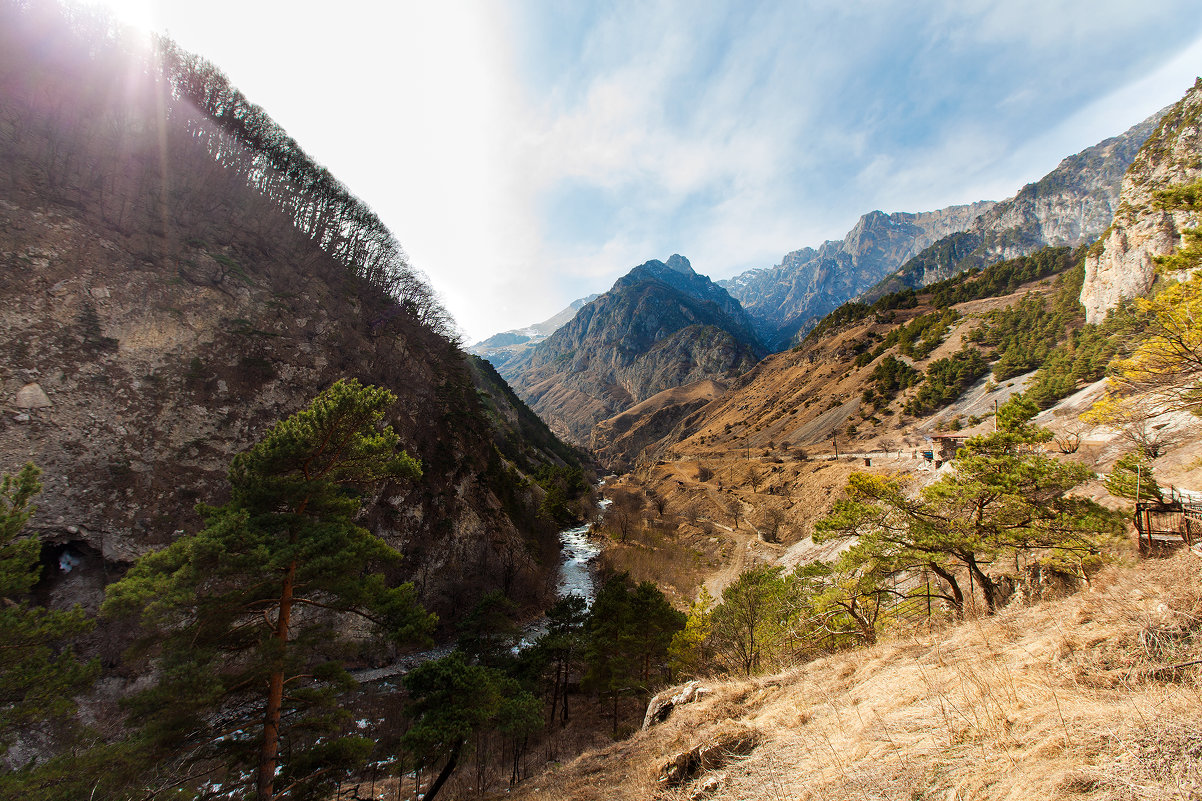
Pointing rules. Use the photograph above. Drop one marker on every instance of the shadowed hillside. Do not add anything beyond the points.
(178, 275)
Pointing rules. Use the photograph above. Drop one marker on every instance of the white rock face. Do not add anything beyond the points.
(32, 396)
(1123, 268)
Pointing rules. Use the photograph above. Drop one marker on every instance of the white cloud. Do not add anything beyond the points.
(730, 132)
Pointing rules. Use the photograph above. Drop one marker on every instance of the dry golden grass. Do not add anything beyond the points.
(1080, 698)
(673, 556)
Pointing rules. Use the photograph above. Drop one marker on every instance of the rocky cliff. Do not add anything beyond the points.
(160, 312)
(1121, 266)
(809, 283)
(1070, 206)
(662, 325)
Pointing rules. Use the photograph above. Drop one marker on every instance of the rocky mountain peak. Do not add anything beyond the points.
(680, 264)
(661, 325)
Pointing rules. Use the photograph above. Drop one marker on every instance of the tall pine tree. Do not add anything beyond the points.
(244, 619)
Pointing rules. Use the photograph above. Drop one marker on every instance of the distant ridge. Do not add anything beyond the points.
(809, 283)
(500, 348)
(1072, 205)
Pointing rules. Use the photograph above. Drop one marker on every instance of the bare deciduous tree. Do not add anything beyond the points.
(623, 512)
(734, 507)
(768, 519)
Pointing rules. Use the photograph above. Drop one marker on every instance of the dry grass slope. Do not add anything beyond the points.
(1094, 696)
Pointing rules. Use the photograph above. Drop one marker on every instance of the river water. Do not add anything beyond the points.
(577, 552)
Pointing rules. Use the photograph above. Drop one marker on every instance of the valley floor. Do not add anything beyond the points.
(1093, 696)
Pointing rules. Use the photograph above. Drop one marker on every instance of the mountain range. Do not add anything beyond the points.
(786, 299)
(604, 354)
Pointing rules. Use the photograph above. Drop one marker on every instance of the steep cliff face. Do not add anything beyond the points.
(160, 314)
(662, 325)
(809, 283)
(1122, 266)
(1070, 206)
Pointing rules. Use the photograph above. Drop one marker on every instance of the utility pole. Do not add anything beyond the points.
(835, 442)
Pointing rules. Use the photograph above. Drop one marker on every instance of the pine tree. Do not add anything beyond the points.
(1133, 477)
(39, 671)
(1006, 498)
(451, 700)
(561, 648)
(244, 618)
(629, 630)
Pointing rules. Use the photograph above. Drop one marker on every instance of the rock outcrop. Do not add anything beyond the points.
(1122, 266)
(721, 748)
(661, 704)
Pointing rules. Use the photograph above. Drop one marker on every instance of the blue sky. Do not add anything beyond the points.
(529, 152)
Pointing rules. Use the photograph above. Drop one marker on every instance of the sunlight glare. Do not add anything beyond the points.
(136, 13)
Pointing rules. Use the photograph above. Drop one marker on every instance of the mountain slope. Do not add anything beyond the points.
(662, 325)
(809, 283)
(1059, 700)
(1070, 206)
(164, 308)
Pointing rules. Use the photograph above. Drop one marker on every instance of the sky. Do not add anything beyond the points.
(528, 152)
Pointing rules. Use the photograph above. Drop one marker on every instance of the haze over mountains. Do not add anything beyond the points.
(501, 347)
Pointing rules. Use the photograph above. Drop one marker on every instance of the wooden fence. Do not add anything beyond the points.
(1166, 525)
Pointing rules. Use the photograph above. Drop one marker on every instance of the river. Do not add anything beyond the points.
(577, 552)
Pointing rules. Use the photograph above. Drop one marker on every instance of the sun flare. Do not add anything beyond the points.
(136, 13)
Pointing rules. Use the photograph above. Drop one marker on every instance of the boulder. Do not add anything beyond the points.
(708, 786)
(663, 703)
(710, 755)
(32, 396)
